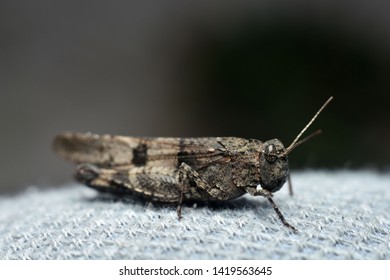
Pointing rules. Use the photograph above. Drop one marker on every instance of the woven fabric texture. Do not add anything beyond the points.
(340, 215)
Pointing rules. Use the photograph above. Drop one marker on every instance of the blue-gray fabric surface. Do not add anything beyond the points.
(340, 215)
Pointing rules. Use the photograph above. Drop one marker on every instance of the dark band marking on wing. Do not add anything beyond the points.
(111, 150)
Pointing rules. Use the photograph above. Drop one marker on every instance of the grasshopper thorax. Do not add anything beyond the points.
(273, 165)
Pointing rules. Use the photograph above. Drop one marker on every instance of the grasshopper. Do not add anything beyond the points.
(174, 170)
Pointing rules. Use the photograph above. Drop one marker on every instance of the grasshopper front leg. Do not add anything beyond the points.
(269, 195)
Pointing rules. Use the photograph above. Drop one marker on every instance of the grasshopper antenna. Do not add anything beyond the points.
(296, 143)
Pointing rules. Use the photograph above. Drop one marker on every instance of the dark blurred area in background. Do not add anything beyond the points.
(254, 69)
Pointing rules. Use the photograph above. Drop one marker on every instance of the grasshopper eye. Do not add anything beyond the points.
(270, 153)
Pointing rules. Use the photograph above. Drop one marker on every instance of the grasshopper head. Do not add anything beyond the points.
(273, 158)
(274, 165)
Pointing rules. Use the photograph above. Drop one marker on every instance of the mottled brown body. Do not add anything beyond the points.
(178, 169)
(164, 169)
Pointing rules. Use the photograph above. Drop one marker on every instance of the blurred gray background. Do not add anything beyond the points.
(254, 69)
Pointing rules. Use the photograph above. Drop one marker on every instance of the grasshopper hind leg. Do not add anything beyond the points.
(158, 184)
(99, 179)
